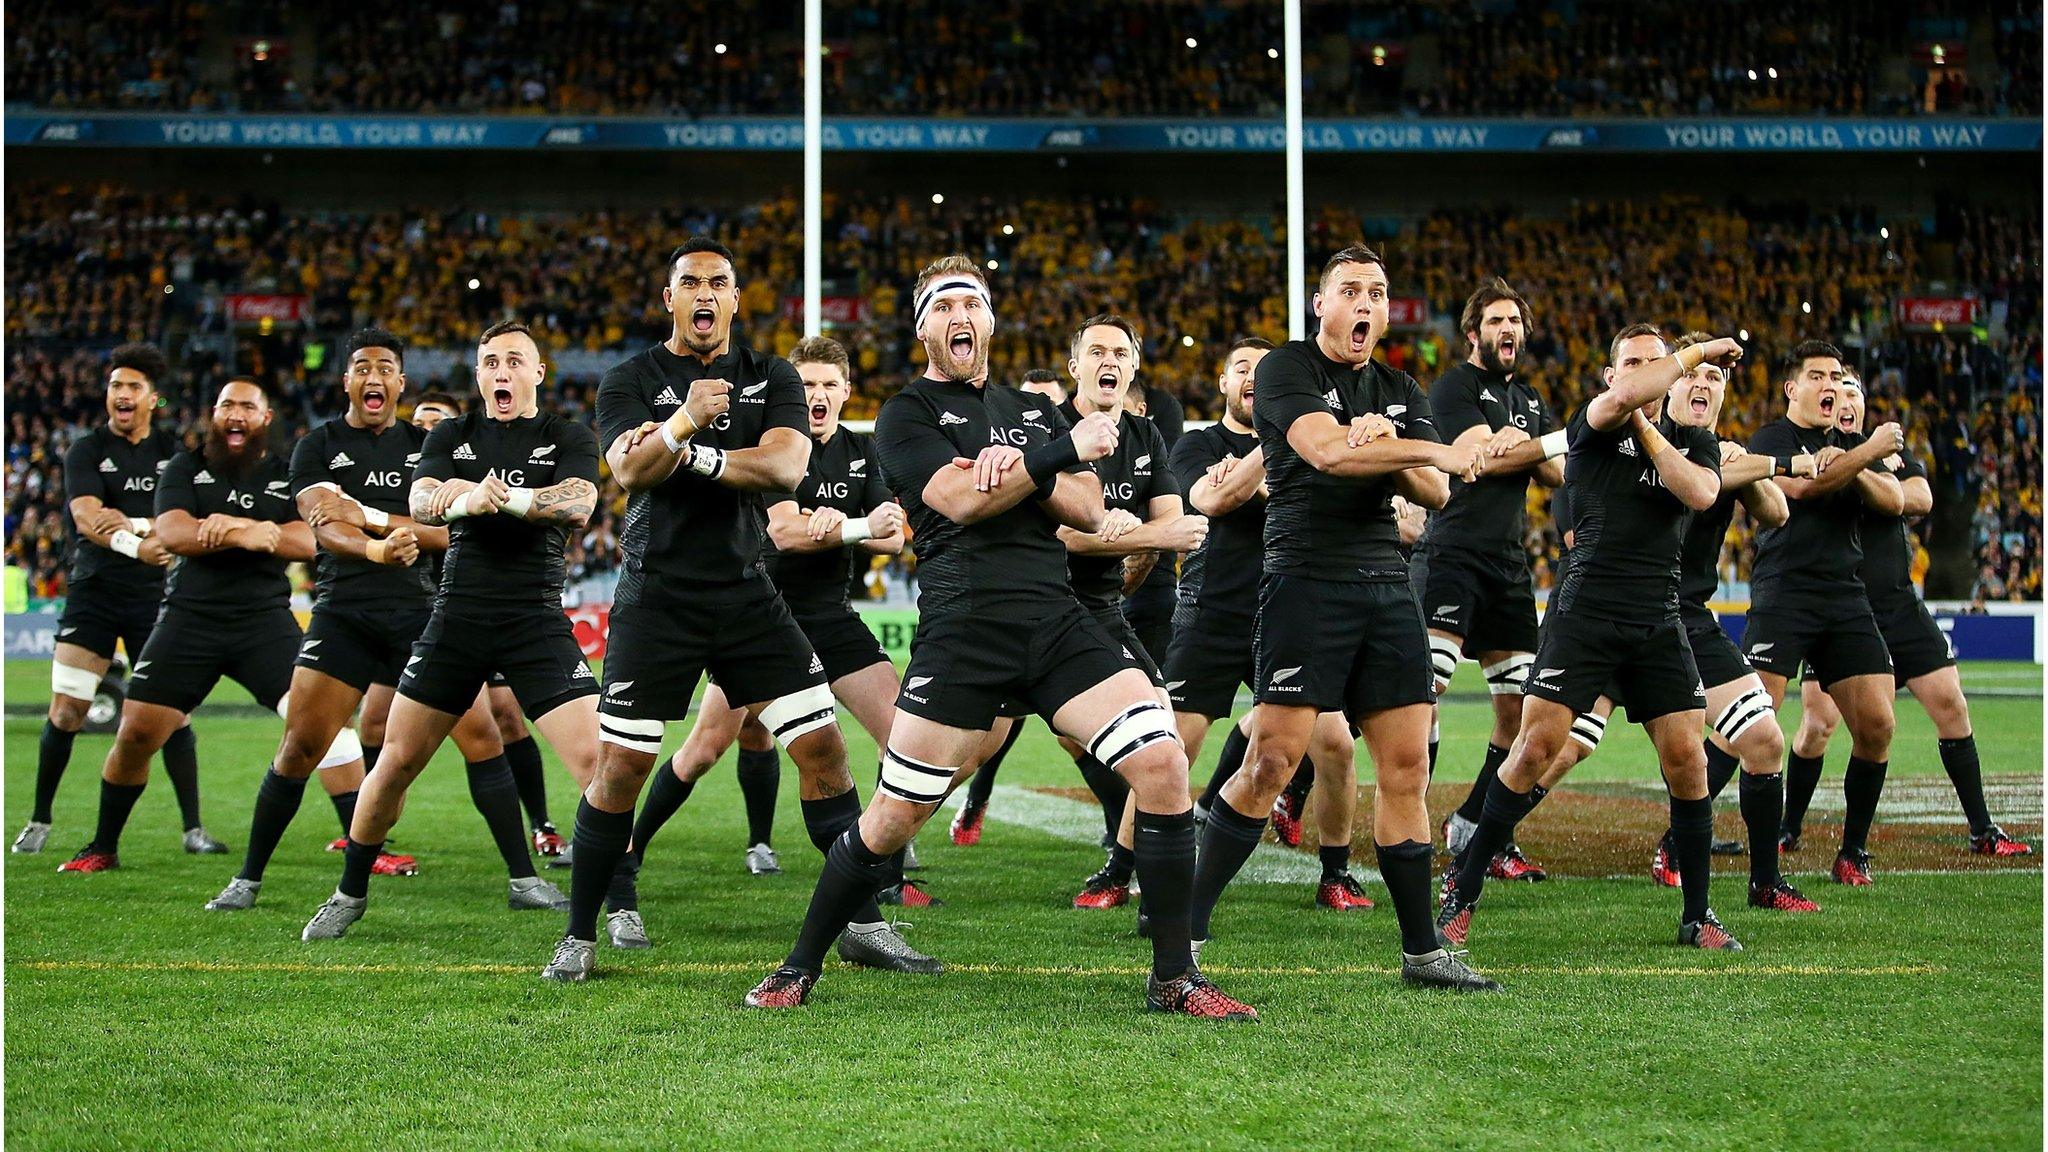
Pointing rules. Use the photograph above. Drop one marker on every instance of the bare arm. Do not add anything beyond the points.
(1324, 443)
(95, 521)
(294, 541)
(776, 464)
(1427, 487)
(640, 460)
(179, 532)
(1919, 496)
(430, 499)
(1696, 485)
(1163, 528)
(566, 504)
(1766, 503)
(1881, 492)
(1076, 500)
(1238, 481)
(1838, 469)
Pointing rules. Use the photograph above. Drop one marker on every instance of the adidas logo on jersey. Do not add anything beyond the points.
(946, 418)
(1628, 447)
(1485, 394)
(464, 452)
(1332, 399)
(668, 396)
(582, 672)
(204, 477)
(109, 466)
(817, 664)
(340, 460)
(541, 454)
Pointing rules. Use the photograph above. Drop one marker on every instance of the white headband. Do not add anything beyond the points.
(938, 288)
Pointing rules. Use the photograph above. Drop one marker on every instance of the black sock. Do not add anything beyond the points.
(1692, 843)
(1862, 784)
(1802, 776)
(1404, 867)
(1336, 860)
(344, 807)
(601, 838)
(853, 874)
(497, 797)
(356, 861)
(624, 893)
(52, 757)
(116, 802)
(760, 779)
(1110, 791)
(665, 794)
(1304, 779)
(1489, 770)
(1121, 864)
(523, 757)
(1228, 761)
(1227, 842)
(1763, 810)
(826, 821)
(1433, 745)
(983, 781)
(277, 801)
(370, 754)
(181, 764)
(1165, 859)
(1505, 808)
(1959, 760)
(1721, 768)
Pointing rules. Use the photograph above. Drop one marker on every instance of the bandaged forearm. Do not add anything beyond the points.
(705, 461)
(1553, 444)
(855, 530)
(126, 543)
(518, 501)
(142, 526)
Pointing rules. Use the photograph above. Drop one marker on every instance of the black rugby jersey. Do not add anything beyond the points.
(1814, 556)
(1319, 525)
(1222, 575)
(845, 473)
(375, 469)
(1009, 566)
(124, 477)
(1489, 514)
(1699, 552)
(1887, 569)
(691, 538)
(1131, 477)
(232, 581)
(1625, 525)
(500, 560)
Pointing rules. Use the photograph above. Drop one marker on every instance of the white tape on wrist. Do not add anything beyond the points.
(706, 461)
(457, 510)
(375, 517)
(126, 543)
(669, 439)
(519, 501)
(1553, 444)
(142, 526)
(855, 530)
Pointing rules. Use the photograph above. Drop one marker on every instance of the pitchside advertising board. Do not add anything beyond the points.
(841, 134)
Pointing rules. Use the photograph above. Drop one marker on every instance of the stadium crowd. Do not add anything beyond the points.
(1127, 58)
(93, 267)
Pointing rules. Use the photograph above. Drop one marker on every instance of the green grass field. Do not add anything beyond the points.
(1905, 1015)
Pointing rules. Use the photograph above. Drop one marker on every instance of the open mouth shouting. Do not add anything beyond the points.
(374, 399)
(125, 410)
(818, 413)
(1505, 348)
(703, 320)
(1361, 336)
(1700, 400)
(1106, 386)
(501, 400)
(960, 347)
(235, 433)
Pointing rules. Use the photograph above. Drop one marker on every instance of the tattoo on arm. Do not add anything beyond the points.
(568, 503)
(416, 501)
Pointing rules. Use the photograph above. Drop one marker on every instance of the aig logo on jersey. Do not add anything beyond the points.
(1014, 437)
(139, 484)
(383, 479)
(832, 489)
(1125, 491)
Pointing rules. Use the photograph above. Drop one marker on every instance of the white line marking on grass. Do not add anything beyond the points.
(686, 968)
(1073, 820)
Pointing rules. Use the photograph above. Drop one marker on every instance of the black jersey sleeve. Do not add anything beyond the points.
(912, 449)
(1287, 388)
(579, 453)
(309, 461)
(1454, 399)
(1775, 439)
(1703, 449)
(1164, 410)
(1422, 421)
(437, 455)
(621, 401)
(876, 492)
(1192, 459)
(1162, 481)
(174, 491)
(786, 408)
(82, 470)
(1546, 419)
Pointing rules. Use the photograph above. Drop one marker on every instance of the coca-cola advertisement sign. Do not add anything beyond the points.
(1407, 312)
(1926, 312)
(250, 309)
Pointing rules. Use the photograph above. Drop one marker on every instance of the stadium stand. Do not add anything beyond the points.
(1126, 58)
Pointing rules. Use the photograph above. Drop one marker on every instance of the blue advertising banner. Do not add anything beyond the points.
(28, 127)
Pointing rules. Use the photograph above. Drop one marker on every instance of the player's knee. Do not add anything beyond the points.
(1443, 662)
(67, 713)
(1873, 732)
(1762, 745)
(1337, 753)
(1137, 738)
(297, 754)
(1402, 778)
(1951, 715)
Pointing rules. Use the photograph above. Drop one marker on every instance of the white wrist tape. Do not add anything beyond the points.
(518, 501)
(126, 543)
(457, 510)
(375, 517)
(668, 438)
(706, 461)
(142, 526)
(1553, 444)
(855, 530)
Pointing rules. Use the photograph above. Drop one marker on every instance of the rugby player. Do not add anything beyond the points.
(1808, 604)
(1740, 731)
(510, 483)
(226, 511)
(1338, 628)
(1223, 471)
(987, 476)
(1923, 657)
(822, 531)
(373, 597)
(115, 584)
(1471, 571)
(1142, 516)
(698, 427)
(1633, 474)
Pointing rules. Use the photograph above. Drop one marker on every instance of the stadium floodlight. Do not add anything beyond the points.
(1806, 306)
(1752, 73)
(1009, 229)
(992, 266)
(1742, 335)
(475, 283)
(718, 48)
(1774, 73)
(814, 167)
(938, 197)
(1191, 41)
(1884, 233)
(1187, 341)
(1272, 53)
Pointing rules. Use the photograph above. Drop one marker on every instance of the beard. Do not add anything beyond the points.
(1238, 409)
(1489, 358)
(220, 455)
(940, 354)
